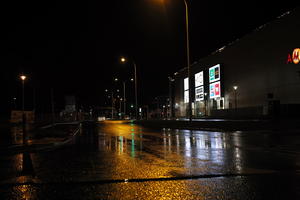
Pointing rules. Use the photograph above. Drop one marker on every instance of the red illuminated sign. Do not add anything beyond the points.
(295, 57)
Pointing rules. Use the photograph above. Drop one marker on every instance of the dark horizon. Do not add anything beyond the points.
(74, 47)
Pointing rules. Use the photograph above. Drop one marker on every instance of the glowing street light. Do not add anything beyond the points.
(15, 105)
(124, 60)
(235, 97)
(187, 57)
(23, 78)
(205, 104)
(112, 102)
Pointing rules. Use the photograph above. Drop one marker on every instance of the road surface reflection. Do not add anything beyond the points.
(171, 152)
(126, 161)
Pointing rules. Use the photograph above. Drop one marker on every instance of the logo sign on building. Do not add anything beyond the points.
(186, 84)
(199, 79)
(186, 90)
(199, 93)
(186, 96)
(214, 73)
(294, 57)
(199, 89)
(215, 90)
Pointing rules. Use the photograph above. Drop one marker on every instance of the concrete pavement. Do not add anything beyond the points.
(48, 137)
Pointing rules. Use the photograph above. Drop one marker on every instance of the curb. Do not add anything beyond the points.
(20, 148)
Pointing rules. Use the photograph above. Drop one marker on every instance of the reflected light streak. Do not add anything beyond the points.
(187, 142)
(132, 145)
(27, 191)
(120, 144)
(177, 143)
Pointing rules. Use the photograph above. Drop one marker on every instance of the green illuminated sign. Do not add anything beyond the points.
(214, 73)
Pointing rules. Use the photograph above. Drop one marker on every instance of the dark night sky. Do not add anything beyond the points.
(74, 46)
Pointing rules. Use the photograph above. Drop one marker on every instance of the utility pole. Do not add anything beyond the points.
(170, 106)
(23, 77)
(188, 59)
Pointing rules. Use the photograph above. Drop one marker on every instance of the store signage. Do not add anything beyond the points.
(199, 93)
(186, 96)
(294, 57)
(186, 90)
(186, 84)
(214, 73)
(215, 90)
(199, 79)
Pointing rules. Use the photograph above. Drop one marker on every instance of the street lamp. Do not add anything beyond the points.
(112, 103)
(188, 58)
(23, 78)
(205, 106)
(124, 94)
(235, 98)
(170, 97)
(123, 60)
(15, 104)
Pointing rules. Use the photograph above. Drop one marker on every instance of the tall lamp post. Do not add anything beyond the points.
(235, 97)
(123, 60)
(170, 103)
(15, 104)
(23, 78)
(124, 95)
(188, 57)
(112, 102)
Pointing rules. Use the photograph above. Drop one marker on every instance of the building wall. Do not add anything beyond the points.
(257, 64)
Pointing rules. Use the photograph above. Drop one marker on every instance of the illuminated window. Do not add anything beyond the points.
(186, 84)
(186, 90)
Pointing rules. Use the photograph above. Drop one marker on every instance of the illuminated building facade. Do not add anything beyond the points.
(257, 75)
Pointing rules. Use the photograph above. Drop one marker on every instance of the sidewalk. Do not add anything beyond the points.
(225, 124)
(44, 138)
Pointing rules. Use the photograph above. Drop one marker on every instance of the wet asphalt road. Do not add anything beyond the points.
(127, 161)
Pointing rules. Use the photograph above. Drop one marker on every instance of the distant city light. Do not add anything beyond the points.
(123, 59)
(22, 77)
